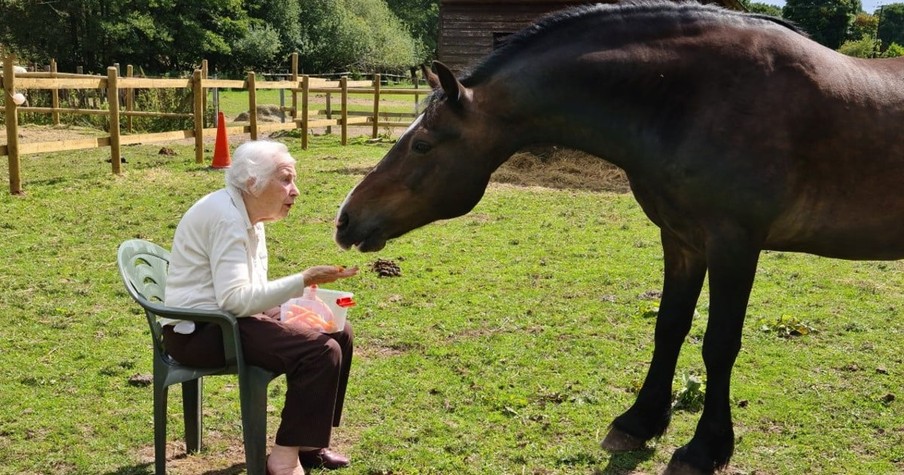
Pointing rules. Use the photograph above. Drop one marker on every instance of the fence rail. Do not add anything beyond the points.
(300, 86)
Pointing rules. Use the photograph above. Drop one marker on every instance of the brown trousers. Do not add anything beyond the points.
(316, 366)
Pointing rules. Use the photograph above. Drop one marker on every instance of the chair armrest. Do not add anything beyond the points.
(195, 315)
(228, 323)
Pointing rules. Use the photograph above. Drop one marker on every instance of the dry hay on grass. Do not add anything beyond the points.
(555, 167)
(265, 113)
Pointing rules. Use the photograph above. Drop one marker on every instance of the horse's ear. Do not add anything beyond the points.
(430, 77)
(453, 89)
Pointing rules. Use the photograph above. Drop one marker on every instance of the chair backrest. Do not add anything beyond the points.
(143, 266)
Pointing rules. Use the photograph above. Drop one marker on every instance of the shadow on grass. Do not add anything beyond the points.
(148, 468)
(140, 469)
(625, 463)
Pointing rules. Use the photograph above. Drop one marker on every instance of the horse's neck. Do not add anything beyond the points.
(536, 107)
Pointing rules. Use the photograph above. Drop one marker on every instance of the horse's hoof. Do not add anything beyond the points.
(618, 441)
(681, 468)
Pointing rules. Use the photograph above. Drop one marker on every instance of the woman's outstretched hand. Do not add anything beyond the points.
(319, 275)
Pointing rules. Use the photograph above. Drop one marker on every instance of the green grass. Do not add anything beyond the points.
(513, 337)
(234, 102)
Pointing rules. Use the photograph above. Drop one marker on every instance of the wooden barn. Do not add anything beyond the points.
(470, 29)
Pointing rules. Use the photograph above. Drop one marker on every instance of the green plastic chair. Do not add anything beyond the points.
(143, 266)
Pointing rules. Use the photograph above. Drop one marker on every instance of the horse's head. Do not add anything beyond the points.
(438, 169)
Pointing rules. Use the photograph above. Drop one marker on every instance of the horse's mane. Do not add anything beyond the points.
(601, 15)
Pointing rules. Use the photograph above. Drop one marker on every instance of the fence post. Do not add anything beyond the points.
(54, 95)
(376, 105)
(329, 111)
(305, 85)
(252, 105)
(204, 75)
(12, 124)
(294, 92)
(198, 101)
(113, 102)
(343, 84)
(130, 100)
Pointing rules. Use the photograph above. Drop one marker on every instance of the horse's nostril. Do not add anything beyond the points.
(342, 220)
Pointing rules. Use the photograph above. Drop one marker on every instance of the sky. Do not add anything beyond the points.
(869, 6)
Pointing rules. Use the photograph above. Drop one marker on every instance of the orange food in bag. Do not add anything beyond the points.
(296, 314)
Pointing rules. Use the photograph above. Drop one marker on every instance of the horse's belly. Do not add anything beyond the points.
(866, 238)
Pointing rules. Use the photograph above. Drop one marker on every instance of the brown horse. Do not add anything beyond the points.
(736, 131)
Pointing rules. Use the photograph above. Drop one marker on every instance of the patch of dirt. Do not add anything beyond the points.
(47, 133)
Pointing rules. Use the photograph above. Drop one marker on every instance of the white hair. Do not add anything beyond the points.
(254, 163)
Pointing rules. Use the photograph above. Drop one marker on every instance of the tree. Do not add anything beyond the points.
(764, 9)
(70, 31)
(421, 17)
(827, 21)
(891, 24)
(388, 45)
(157, 35)
(173, 36)
(864, 24)
(259, 48)
(353, 34)
(283, 17)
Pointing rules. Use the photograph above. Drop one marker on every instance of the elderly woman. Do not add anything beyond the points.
(219, 261)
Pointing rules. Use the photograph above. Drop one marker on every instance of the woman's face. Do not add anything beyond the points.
(277, 197)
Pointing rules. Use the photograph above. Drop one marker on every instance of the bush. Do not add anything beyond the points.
(865, 47)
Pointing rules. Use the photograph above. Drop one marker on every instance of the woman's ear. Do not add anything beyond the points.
(249, 185)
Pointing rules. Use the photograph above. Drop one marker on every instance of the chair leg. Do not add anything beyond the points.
(160, 396)
(253, 395)
(191, 408)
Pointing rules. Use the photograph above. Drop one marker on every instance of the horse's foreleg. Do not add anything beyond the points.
(651, 412)
(732, 260)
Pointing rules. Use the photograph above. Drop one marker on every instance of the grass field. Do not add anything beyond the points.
(512, 338)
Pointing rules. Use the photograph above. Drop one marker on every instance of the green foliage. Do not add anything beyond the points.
(421, 17)
(389, 45)
(865, 47)
(786, 326)
(360, 35)
(157, 35)
(864, 24)
(764, 9)
(648, 309)
(284, 17)
(894, 50)
(168, 100)
(260, 47)
(891, 24)
(691, 396)
(174, 36)
(827, 21)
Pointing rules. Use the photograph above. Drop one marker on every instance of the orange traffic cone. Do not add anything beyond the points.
(221, 148)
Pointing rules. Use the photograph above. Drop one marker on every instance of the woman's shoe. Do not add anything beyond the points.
(323, 458)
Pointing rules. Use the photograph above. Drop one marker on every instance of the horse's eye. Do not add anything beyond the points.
(420, 146)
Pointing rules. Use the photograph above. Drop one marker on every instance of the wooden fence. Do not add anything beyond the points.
(300, 86)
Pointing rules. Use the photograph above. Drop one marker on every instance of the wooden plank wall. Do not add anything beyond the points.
(467, 29)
